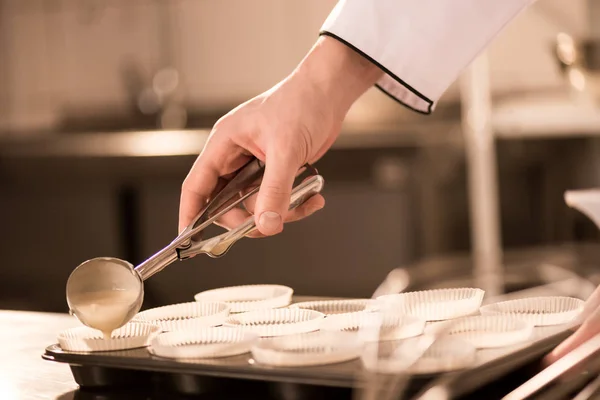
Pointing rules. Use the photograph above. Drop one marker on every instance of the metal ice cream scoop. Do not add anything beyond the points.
(93, 285)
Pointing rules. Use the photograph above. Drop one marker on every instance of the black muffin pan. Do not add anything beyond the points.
(240, 376)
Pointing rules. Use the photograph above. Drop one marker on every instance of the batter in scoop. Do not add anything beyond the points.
(106, 297)
(106, 310)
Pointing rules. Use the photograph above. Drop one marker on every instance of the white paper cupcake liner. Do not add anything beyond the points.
(374, 326)
(436, 304)
(213, 342)
(540, 311)
(183, 316)
(277, 322)
(131, 336)
(487, 331)
(307, 349)
(445, 355)
(249, 297)
(336, 307)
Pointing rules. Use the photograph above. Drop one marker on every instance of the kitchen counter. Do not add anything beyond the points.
(148, 143)
(25, 375)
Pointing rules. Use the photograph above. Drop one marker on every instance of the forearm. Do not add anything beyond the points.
(337, 72)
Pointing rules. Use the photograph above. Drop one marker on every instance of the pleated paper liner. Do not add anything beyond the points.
(445, 355)
(374, 326)
(132, 335)
(249, 297)
(436, 304)
(336, 307)
(307, 349)
(487, 331)
(540, 311)
(277, 322)
(192, 315)
(215, 342)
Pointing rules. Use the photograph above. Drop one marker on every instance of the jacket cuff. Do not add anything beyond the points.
(391, 84)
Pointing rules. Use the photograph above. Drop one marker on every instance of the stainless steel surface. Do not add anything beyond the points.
(426, 340)
(219, 245)
(559, 270)
(558, 281)
(591, 391)
(25, 376)
(395, 282)
(158, 261)
(559, 368)
(373, 385)
(103, 274)
(140, 143)
(438, 389)
(482, 176)
(190, 142)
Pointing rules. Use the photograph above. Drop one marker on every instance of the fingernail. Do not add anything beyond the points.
(269, 222)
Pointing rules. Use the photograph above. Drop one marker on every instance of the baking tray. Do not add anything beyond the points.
(240, 374)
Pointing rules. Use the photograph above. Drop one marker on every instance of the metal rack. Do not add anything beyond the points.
(479, 137)
(482, 176)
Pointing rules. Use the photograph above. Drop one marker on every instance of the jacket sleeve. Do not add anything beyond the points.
(421, 45)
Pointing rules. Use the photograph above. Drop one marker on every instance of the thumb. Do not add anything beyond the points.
(273, 198)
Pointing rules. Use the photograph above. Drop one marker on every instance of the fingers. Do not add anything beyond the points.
(236, 217)
(312, 205)
(195, 191)
(219, 158)
(205, 176)
(592, 303)
(274, 196)
(568, 345)
(589, 328)
(586, 331)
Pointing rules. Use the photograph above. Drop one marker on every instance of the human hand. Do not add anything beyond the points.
(293, 123)
(588, 329)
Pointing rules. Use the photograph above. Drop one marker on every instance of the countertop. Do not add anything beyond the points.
(169, 143)
(23, 373)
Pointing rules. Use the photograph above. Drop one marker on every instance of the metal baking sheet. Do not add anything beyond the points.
(491, 364)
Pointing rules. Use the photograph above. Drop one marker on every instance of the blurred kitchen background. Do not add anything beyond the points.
(104, 105)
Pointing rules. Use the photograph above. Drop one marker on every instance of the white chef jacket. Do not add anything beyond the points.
(421, 45)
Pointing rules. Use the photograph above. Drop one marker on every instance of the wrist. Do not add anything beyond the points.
(337, 72)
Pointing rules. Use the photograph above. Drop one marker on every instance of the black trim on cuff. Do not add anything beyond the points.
(388, 72)
(403, 104)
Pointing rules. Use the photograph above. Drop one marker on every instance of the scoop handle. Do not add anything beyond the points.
(300, 194)
(222, 203)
